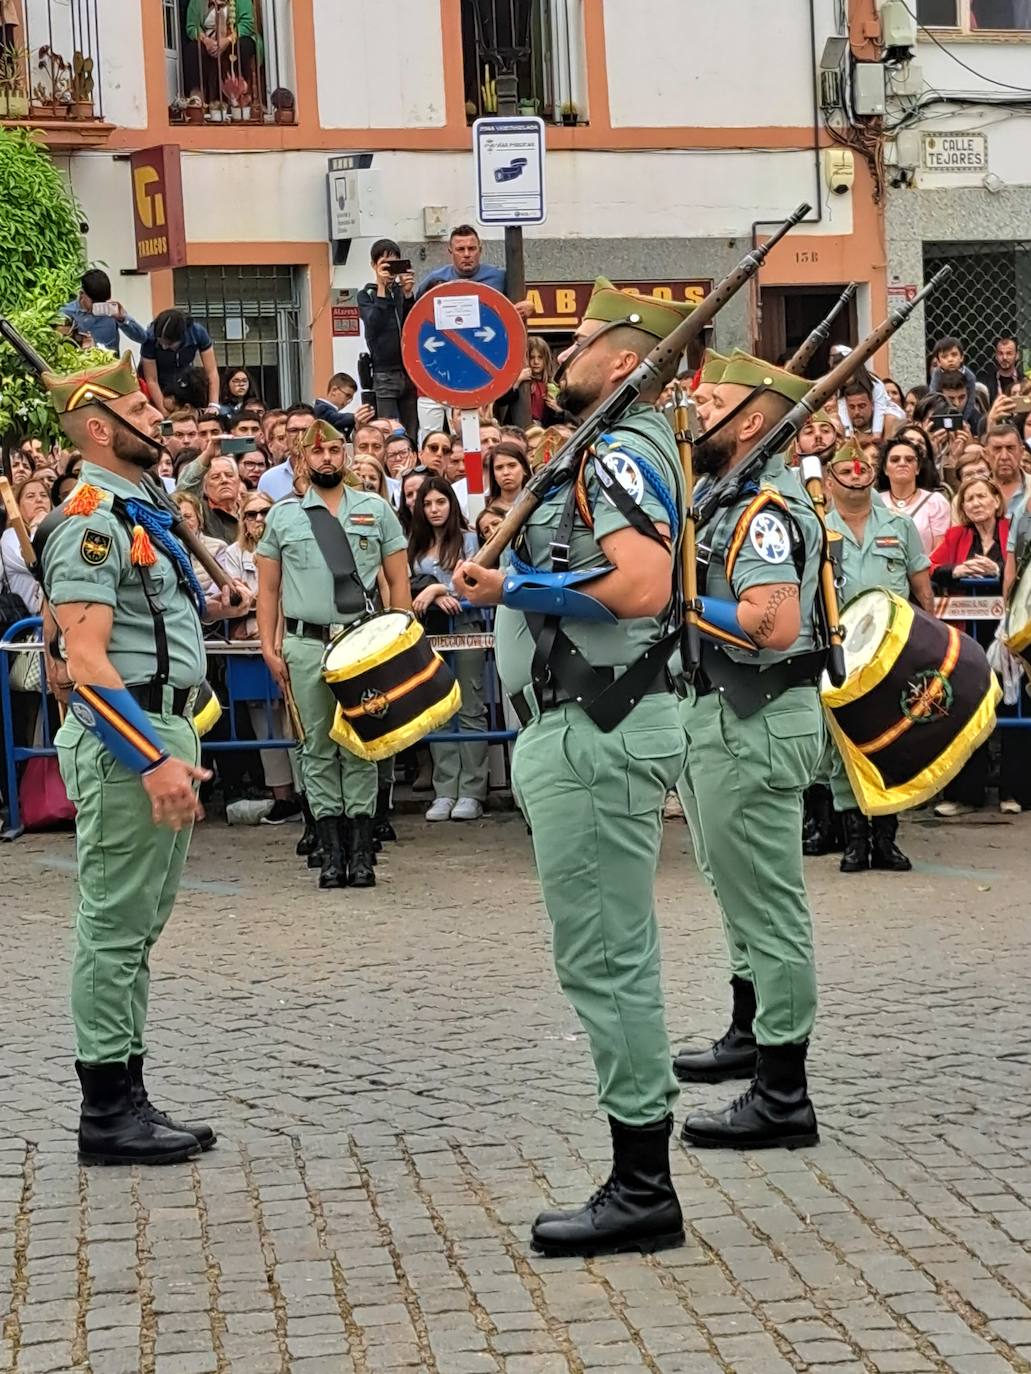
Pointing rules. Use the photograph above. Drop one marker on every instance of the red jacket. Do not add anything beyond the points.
(955, 549)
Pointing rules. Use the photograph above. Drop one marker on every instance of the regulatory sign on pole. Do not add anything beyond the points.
(463, 344)
(509, 170)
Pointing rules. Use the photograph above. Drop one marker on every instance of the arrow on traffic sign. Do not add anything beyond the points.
(432, 344)
(486, 334)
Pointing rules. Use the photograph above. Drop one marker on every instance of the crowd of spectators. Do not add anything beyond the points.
(954, 455)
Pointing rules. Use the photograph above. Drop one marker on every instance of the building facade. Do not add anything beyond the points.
(672, 147)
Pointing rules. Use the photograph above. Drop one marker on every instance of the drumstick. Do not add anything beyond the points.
(295, 716)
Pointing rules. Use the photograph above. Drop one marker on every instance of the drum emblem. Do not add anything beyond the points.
(375, 704)
(925, 696)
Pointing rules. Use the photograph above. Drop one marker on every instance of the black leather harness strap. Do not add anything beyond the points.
(335, 548)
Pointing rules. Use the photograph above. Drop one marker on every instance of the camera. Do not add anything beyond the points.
(840, 170)
(166, 428)
(396, 266)
(952, 419)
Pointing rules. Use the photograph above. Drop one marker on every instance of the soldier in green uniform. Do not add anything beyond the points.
(318, 562)
(585, 592)
(122, 593)
(878, 548)
(755, 735)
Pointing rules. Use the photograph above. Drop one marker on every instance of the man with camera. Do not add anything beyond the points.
(384, 305)
(97, 318)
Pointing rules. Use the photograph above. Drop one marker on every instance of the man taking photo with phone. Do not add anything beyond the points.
(384, 305)
(93, 312)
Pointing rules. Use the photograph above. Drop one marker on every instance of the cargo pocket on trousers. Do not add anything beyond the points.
(654, 762)
(796, 742)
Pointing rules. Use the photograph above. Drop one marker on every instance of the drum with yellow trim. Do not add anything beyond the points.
(1016, 627)
(391, 687)
(918, 698)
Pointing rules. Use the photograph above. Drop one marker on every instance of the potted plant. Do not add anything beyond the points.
(82, 86)
(528, 107)
(217, 112)
(14, 100)
(236, 90)
(56, 83)
(177, 111)
(285, 105)
(194, 110)
(570, 113)
(257, 113)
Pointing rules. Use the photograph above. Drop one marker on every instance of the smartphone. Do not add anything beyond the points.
(166, 427)
(952, 419)
(1022, 405)
(398, 265)
(105, 307)
(235, 447)
(368, 398)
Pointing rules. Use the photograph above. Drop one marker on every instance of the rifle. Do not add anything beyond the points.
(38, 364)
(727, 490)
(683, 415)
(644, 384)
(801, 360)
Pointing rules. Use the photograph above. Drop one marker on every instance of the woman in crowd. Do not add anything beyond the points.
(908, 486)
(62, 489)
(975, 548)
(972, 462)
(372, 475)
(190, 509)
(22, 466)
(237, 387)
(33, 498)
(435, 451)
(488, 521)
(913, 396)
(894, 391)
(237, 559)
(540, 372)
(411, 484)
(438, 541)
(507, 474)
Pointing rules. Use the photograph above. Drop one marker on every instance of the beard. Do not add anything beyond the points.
(711, 455)
(327, 480)
(576, 399)
(132, 446)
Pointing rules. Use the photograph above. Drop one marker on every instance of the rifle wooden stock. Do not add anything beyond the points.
(812, 475)
(801, 360)
(644, 384)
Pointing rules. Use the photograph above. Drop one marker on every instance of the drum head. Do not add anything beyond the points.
(865, 621)
(365, 640)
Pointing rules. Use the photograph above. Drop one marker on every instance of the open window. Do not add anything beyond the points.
(228, 61)
(541, 42)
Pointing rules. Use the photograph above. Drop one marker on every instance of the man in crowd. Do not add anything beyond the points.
(278, 482)
(490, 437)
(220, 506)
(244, 424)
(172, 344)
(340, 393)
(185, 433)
(466, 253)
(955, 389)
(104, 326)
(384, 306)
(318, 563)
(1003, 372)
(1004, 450)
(369, 442)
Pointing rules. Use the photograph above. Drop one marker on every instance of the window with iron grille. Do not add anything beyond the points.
(541, 41)
(240, 85)
(973, 16)
(254, 316)
(988, 294)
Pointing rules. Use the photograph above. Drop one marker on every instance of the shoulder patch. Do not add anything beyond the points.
(768, 536)
(621, 468)
(94, 547)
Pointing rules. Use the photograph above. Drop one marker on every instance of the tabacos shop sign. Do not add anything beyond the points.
(560, 305)
(157, 208)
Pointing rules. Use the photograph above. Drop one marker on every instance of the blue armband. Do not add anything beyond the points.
(114, 716)
(718, 621)
(544, 593)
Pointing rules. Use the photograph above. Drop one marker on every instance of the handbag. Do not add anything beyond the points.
(12, 607)
(42, 797)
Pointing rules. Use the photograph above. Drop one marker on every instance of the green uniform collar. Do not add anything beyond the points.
(106, 480)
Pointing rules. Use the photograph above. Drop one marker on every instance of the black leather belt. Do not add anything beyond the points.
(524, 714)
(308, 631)
(151, 696)
(746, 686)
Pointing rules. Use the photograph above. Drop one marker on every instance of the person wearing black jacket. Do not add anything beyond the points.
(384, 305)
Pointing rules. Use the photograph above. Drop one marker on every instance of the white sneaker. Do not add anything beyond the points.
(440, 810)
(951, 808)
(1009, 807)
(467, 809)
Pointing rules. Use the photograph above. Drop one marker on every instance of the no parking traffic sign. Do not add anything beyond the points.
(463, 344)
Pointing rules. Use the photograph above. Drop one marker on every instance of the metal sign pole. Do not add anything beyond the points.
(515, 262)
(473, 463)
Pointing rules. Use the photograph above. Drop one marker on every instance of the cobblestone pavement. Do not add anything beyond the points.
(398, 1087)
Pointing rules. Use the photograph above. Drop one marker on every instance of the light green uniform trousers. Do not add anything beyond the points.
(742, 794)
(593, 802)
(336, 781)
(129, 871)
(841, 789)
(460, 770)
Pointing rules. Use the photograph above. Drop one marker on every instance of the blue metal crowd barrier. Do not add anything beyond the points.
(247, 680)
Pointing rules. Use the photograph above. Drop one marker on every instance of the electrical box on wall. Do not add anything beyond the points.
(898, 25)
(434, 221)
(868, 88)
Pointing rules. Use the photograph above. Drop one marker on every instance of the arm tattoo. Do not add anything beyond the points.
(764, 629)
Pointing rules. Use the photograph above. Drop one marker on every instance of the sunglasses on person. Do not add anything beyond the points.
(255, 514)
(438, 448)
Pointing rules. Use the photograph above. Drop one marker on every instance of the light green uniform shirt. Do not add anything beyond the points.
(87, 559)
(643, 433)
(891, 549)
(766, 555)
(373, 530)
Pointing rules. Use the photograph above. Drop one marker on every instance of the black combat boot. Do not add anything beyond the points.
(856, 858)
(884, 852)
(362, 858)
(821, 828)
(775, 1111)
(309, 840)
(334, 858)
(382, 829)
(146, 1110)
(635, 1209)
(733, 1054)
(112, 1131)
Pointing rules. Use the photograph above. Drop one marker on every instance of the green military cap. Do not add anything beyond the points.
(319, 433)
(744, 370)
(849, 452)
(78, 389)
(647, 313)
(712, 369)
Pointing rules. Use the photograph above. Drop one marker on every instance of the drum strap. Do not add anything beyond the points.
(335, 548)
